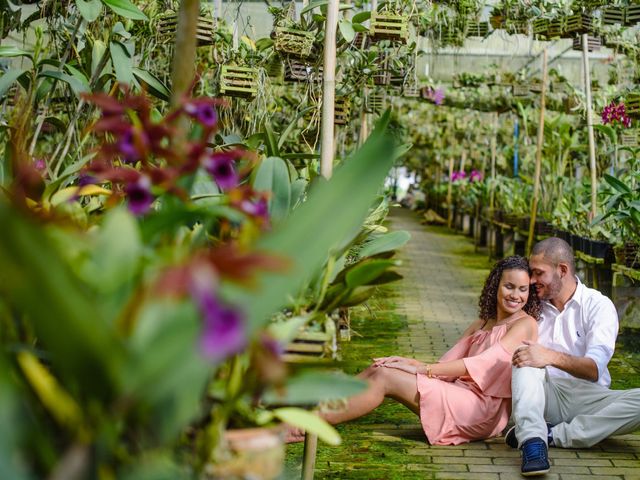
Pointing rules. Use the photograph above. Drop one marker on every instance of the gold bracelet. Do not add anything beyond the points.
(429, 375)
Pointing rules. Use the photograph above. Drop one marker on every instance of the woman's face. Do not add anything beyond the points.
(513, 292)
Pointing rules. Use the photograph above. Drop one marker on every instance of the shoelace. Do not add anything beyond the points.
(534, 451)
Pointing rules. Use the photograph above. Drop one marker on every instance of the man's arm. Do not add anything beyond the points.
(535, 355)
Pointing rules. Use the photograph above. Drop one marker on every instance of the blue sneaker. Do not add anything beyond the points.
(511, 440)
(535, 460)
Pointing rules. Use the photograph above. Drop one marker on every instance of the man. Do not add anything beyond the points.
(563, 378)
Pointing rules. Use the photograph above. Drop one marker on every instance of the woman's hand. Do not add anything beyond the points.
(412, 366)
(382, 361)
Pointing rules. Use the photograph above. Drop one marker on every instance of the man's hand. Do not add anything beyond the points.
(532, 354)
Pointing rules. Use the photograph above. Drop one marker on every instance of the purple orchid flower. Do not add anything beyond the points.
(257, 207)
(224, 331)
(475, 176)
(203, 111)
(139, 196)
(221, 167)
(126, 146)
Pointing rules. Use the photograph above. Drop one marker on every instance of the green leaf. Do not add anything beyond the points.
(126, 9)
(8, 79)
(292, 125)
(312, 5)
(117, 254)
(78, 75)
(367, 271)
(298, 189)
(310, 422)
(311, 387)
(122, 62)
(358, 296)
(76, 85)
(12, 51)
(153, 83)
(331, 216)
(384, 243)
(97, 51)
(608, 131)
(272, 175)
(270, 141)
(346, 29)
(37, 282)
(361, 17)
(13, 424)
(616, 184)
(90, 10)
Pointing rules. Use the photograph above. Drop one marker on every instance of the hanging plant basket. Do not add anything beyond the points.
(389, 27)
(536, 87)
(293, 42)
(520, 89)
(239, 82)
(374, 103)
(342, 110)
(632, 15)
(632, 104)
(411, 90)
(540, 28)
(612, 16)
(629, 137)
(361, 41)
(517, 26)
(382, 76)
(580, 23)
(298, 71)
(593, 43)
(555, 29)
(478, 29)
(275, 68)
(205, 28)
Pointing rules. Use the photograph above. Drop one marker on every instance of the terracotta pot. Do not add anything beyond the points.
(256, 453)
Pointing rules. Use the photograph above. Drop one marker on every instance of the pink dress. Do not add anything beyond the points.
(457, 410)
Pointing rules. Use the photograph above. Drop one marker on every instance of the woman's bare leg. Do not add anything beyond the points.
(383, 382)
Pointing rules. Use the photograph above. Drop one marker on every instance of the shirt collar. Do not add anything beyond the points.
(577, 296)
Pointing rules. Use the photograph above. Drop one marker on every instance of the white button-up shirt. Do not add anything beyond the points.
(587, 327)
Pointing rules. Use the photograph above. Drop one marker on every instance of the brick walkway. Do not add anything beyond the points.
(442, 280)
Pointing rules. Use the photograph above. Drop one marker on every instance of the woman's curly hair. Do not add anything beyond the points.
(488, 302)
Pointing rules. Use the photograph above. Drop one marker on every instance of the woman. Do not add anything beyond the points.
(466, 395)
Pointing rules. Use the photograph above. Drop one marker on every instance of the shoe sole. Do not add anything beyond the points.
(536, 473)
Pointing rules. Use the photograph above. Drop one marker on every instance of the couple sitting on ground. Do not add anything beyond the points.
(540, 348)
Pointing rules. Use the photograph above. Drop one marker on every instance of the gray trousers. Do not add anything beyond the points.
(582, 413)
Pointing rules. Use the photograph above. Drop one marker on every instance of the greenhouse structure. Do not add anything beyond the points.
(272, 240)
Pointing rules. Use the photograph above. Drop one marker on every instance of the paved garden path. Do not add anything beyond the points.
(422, 316)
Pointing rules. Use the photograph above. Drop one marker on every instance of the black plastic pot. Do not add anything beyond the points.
(600, 249)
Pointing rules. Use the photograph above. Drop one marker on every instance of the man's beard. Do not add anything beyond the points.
(553, 289)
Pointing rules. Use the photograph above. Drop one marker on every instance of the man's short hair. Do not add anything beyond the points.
(556, 251)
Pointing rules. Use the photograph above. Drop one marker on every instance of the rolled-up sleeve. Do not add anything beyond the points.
(491, 371)
(602, 328)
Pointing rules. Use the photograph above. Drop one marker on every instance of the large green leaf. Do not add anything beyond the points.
(76, 85)
(126, 9)
(346, 29)
(38, 283)
(310, 422)
(384, 243)
(90, 9)
(8, 79)
(311, 387)
(154, 85)
(13, 51)
(367, 271)
(617, 184)
(272, 175)
(165, 360)
(334, 211)
(122, 62)
(361, 17)
(12, 423)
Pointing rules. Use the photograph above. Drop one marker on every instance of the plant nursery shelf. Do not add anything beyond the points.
(631, 273)
(588, 258)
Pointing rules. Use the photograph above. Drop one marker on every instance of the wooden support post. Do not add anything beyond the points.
(184, 54)
(309, 456)
(592, 142)
(329, 92)
(450, 194)
(540, 145)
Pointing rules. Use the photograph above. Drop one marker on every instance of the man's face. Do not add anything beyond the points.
(546, 277)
